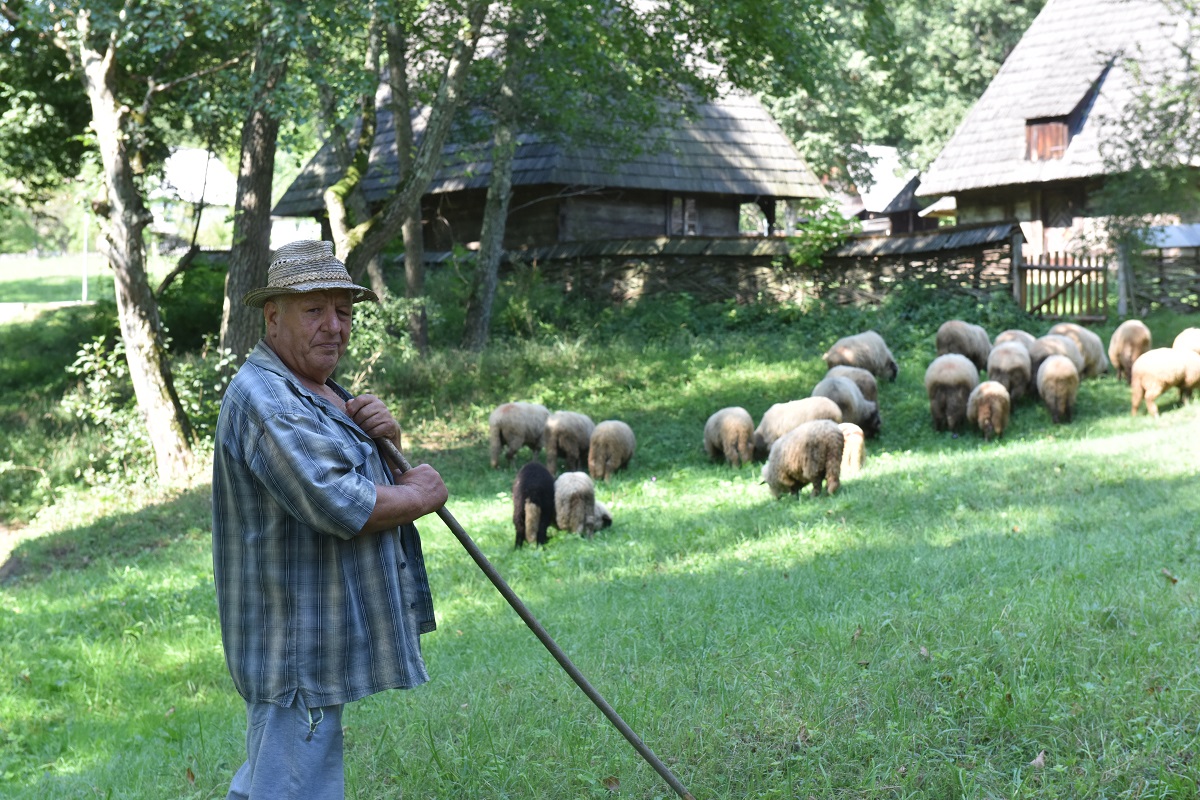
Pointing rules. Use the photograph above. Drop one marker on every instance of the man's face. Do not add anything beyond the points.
(309, 332)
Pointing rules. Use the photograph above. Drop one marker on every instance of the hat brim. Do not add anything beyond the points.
(257, 298)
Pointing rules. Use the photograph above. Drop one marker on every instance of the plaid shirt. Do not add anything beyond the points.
(306, 605)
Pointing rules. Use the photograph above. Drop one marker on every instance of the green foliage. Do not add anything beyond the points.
(821, 228)
(191, 306)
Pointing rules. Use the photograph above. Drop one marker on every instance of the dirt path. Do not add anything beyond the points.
(9, 538)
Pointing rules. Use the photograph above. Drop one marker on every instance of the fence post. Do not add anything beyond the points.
(1123, 286)
(1016, 267)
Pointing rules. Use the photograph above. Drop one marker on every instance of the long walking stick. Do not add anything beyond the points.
(397, 458)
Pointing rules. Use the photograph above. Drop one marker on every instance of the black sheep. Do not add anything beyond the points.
(533, 503)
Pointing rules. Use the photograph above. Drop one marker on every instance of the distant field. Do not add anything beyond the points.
(54, 279)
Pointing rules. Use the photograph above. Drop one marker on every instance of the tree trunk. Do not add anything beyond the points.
(491, 238)
(124, 218)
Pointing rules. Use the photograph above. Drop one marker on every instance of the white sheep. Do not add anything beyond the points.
(729, 433)
(854, 449)
(988, 407)
(1090, 347)
(783, 417)
(512, 426)
(1161, 369)
(1010, 365)
(867, 350)
(568, 434)
(611, 447)
(1054, 344)
(575, 509)
(1188, 339)
(1058, 386)
(964, 338)
(1126, 345)
(862, 378)
(810, 453)
(1024, 338)
(854, 407)
(949, 380)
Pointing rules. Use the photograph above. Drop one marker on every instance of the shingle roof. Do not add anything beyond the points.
(733, 146)
(924, 241)
(1061, 57)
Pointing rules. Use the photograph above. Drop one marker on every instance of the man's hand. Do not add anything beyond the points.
(372, 415)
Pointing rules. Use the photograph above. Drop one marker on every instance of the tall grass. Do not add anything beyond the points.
(1013, 619)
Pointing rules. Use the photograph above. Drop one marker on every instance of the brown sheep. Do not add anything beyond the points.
(810, 453)
(1015, 335)
(533, 504)
(855, 408)
(1090, 347)
(1188, 339)
(1058, 386)
(854, 449)
(867, 350)
(964, 338)
(988, 408)
(1161, 369)
(611, 447)
(513, 426)
(569, 434)
(1009, 364)
(729, 433)
(948, 383)
(782, 417)
(1053, 344)
(1126, 345)
(862, 378)
(575, 506)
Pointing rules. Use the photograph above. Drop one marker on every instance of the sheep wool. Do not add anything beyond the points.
(512, 426)
(1058, 386)
(1188, 339)
(575, 504)
(1053, 344)
(862, 378)
(611, 447)
(988, 408)
(1024, 338)
(949, 380)
(1009, 364)
(729, 434)
(569, 435)
(854, 407)
(964, 338)
(533, 504)
(1161, 369)
(1126, 345)
(783, 417)
(811, 453)
(867, 350)
(854, 449)
(1090, 347)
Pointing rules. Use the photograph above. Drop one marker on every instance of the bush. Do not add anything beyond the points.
(192, 305)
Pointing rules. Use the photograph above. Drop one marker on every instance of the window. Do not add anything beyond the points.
(683, 219)
(1046, 139)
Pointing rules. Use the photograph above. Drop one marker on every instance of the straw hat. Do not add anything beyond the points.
(307, 266)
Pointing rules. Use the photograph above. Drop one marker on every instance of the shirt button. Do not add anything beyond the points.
(403, 565)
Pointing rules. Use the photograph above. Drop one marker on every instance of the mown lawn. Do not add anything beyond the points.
(963, 619)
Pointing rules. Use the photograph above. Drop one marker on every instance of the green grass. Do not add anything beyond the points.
(957, 609)
(54, 279)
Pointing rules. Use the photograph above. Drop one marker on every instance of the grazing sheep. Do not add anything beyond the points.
(1015, 335)
(811, 453)
(568, 434)
(604, 518)
(782, 417)
(855, 408)
(1161, 369)
(533, 504)
(1188, 339)
(575, 508)
(964, 338)
(1090, 347)
(513, 426)
(988, 407)
(866, 350)
(862, 378)
(1053, 344)
(854, 449)
(730, 433)
(1126, 345)
(1058, 386)
(1009, 364)
(948, 383)
(612, 445)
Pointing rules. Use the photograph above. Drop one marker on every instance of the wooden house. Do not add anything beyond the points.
(889, 205)
(572, 202)
(1032, 148)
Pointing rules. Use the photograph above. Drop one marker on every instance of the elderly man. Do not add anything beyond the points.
(320, 580)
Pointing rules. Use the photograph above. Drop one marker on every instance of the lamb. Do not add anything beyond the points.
(1188, 339)
(862, 378)
(1090, 347)
(1058, 386)
(782, 417)
(988, 407)
(811, 453)
(569, 434)
(611, 447)
(575, 508)
(1053, 344)
(1009, 364)
(515, 425)
(853, 449)
(854, 407)
(1015, 335)
(729, 432)
(964, 338)
(948, 383)
(866, 350)
(533, 504)
(1161, 369)
(1126, 345)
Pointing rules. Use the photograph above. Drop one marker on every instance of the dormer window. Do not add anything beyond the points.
(1046, 138)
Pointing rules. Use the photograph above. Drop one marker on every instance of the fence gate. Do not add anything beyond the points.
(1063, 285)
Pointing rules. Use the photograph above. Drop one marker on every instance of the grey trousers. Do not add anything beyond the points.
(291, 754)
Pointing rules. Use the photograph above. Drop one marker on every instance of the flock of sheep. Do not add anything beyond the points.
(818, 439)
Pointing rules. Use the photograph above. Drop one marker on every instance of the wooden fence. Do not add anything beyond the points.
(1062, 285)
